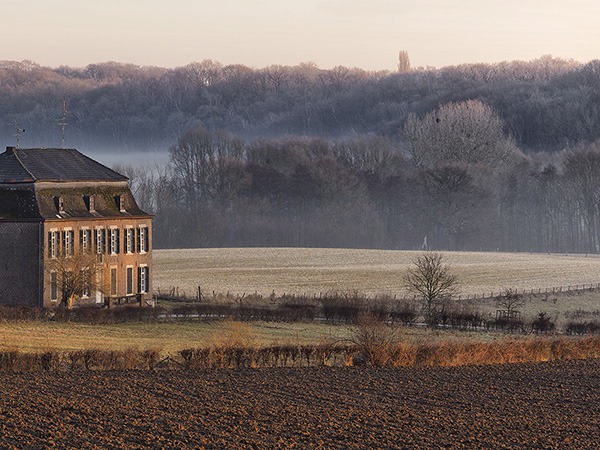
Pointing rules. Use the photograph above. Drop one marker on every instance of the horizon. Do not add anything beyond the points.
(330, 33)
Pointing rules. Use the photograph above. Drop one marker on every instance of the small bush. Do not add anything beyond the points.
(542, 324)
(375, 340)
(591, 327)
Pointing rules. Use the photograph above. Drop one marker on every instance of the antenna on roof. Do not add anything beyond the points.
(62, 122)
(19, 132)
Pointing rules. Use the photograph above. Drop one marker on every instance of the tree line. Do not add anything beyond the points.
(546, 104)
(480, 193)
(476, 157)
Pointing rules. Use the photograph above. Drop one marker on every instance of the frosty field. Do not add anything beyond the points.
(370, 272)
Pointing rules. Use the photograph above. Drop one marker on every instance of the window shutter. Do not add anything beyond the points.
(118, 232)
(147, 279)
(147, 240)
(139, 283)
(59, 242)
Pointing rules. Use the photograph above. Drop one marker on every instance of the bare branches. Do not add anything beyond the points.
(432, 281)
(75, 276)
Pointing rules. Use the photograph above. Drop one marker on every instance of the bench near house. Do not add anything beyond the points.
(56, 204)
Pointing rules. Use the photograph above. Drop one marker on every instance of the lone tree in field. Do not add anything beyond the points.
(432, 281)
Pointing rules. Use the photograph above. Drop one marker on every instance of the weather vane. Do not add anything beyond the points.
(62, 122)
(19, 132)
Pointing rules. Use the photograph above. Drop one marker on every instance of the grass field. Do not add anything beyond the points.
(371, 272)
(313, 271)
(376, 272)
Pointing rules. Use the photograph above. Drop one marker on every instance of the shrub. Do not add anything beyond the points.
(542, 324)
(591, 327)
(374, 339)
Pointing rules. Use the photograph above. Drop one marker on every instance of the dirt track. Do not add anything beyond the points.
(512, 406)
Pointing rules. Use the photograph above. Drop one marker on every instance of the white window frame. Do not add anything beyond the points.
(69, 244)
(114, 240)
(129, 236)
(100, 240)
(53, 243)
(143, 281)
(86, 237)
(143, 231)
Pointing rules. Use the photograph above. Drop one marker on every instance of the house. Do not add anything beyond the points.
(59, 210)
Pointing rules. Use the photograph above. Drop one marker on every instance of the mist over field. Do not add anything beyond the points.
(501, 156)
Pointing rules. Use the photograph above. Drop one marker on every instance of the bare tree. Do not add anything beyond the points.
(468, 132)
(77, 276)
(432, 281)
(511, 302)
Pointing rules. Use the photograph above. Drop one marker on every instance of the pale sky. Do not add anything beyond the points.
(354, 33)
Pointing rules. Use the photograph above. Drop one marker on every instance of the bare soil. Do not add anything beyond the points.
(546, 405)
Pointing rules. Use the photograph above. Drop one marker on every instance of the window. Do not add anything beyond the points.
(53, 286)
(143, 279)
(90, 203)
(100, 235)
(114, 241)
(113, 281)
(53, 243)
(142, 243)
(129, 280)
(99, 284)
(59, 202)
(120, 199)
(129, 240)
(67, 238)
(86, 281)
(85, 240)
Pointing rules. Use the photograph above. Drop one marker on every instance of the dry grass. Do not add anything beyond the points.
(172, 337)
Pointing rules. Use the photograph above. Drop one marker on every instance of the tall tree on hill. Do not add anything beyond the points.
(403, 62)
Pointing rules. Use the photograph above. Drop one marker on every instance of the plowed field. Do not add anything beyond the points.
(549, 405)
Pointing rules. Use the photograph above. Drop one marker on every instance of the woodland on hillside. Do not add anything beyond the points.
(546, 104)
(499, 156)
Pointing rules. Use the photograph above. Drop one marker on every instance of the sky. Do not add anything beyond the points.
(258, 33)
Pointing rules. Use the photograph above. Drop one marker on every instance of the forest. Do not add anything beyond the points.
(502, 156)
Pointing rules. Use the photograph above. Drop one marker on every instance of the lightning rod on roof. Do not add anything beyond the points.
(62, 122)
(19, 132)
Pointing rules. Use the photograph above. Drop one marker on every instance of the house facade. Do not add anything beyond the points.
(64, 216)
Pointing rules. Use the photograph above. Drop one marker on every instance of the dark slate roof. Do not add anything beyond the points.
(18, 204)
(22, 165)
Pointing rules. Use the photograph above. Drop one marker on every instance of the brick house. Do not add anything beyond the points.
(57, 204)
